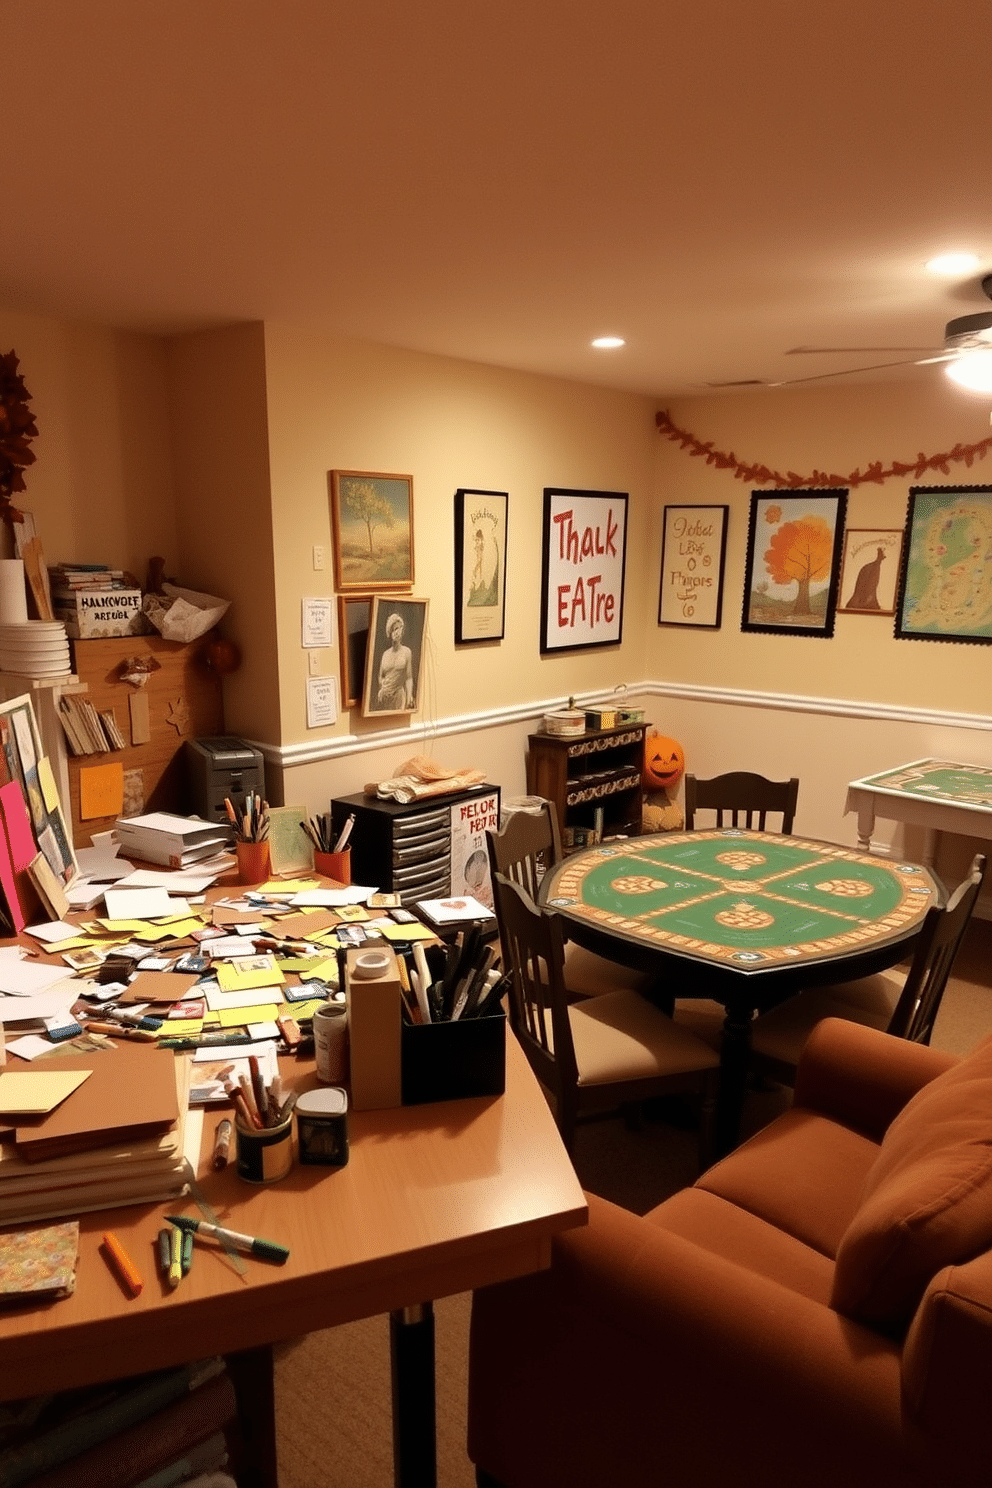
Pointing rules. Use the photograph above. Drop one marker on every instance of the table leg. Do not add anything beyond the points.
(411, 1347)
(254, 1387)
(866, 825)
(735, 1048)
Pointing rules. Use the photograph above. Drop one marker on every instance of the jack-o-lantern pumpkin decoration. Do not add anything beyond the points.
(664, 762)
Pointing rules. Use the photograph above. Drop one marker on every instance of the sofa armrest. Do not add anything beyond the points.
(862, 1077)
(639, 1357)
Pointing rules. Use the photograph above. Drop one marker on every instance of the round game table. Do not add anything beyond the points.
(746, 918)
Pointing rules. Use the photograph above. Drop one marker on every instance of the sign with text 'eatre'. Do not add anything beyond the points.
(585, 546)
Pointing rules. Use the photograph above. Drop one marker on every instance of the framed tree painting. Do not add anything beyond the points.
(869, 571)
(582, 576)
(693, 543)
(945, 580)
(480, 565)
(395, 658)
(372, 530)
(792, 571)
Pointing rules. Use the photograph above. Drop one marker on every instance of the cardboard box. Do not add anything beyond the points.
(101, 612)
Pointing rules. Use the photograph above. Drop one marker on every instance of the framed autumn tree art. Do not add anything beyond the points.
(793, 562)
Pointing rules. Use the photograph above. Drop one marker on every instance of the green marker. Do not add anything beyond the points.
(266, 1250)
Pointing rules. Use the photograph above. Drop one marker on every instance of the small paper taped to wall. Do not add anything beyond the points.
(101, 790)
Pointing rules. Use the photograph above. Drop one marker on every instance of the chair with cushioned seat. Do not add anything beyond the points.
(526, 845)
(741, 799)
(599, 1054)
(901, 1003)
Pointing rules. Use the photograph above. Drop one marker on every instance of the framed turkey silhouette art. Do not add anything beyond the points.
(870, 571)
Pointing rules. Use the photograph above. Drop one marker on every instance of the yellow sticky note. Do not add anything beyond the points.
(46, 779)
(181, 1028)
(236, 1017)
(302, 1009)
(33, 1092)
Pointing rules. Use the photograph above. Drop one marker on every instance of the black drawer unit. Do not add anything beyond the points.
(408, 849)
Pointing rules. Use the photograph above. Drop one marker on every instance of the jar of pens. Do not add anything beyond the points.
(453, 1033)
(251, 838)
(331, 853)
(263, 1127)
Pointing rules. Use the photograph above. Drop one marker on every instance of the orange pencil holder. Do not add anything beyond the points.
(253, 862)
(335, 865)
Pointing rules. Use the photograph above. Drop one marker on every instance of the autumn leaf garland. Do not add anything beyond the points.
(873, 474)
(17, 429)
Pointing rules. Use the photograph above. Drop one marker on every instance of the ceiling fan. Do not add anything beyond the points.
(963, 335)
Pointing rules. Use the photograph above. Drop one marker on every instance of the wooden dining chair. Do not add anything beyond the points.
(904, 1004)
(598, 1055)
(741, 799)
(526, 845)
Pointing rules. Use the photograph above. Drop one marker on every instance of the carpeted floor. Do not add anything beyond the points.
(333, 1388)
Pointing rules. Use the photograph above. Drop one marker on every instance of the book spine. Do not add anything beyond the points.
(125, 1457)
(135, 1404)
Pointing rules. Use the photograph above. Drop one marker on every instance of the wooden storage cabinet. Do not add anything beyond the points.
(597, 770)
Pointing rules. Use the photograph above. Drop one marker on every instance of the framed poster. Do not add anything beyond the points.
(584, 552)
(372, 530)
(354, 618)
(480, 565)
(792, 570)
(394, 663)
(693, 547)
(869, 570)
(945, 579)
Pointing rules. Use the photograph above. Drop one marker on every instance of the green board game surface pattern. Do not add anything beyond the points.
(742, 898)
(938, 780)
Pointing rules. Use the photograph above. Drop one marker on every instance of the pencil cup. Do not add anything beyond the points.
(264, 1153)
(330, 1042)
(253, 862)
(334, 865)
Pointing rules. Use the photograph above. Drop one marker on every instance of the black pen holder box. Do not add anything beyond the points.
(451, 1061)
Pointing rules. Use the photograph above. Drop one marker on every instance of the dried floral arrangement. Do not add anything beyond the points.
(17, 429)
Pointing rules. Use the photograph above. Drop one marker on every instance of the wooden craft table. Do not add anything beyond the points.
(435, 1200)
(935, 794)
(746, 918)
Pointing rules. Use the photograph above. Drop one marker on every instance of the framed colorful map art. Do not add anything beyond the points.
(945, 580)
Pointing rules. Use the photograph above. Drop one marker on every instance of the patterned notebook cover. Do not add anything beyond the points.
(39, 1264)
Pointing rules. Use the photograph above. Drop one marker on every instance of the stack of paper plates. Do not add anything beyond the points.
(35, 648)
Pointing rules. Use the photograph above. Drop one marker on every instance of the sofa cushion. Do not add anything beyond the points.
(741, 1238)
(804, 1174)
(927, 1201)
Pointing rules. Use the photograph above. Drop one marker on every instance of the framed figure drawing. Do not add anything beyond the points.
(480, 565)
(945, 579)
(395, 659)
(693, 544)
(582, 577)
(372, 530)
(869, 571)
(792, 571)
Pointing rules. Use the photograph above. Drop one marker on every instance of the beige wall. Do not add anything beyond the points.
(101, 487)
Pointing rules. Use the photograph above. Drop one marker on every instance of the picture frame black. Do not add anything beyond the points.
(583, 567)
(480, 565)
(354, 619)
(693, 553)
(945, 577)
(794, 539)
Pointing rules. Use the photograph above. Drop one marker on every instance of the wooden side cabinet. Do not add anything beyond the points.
(592, 779)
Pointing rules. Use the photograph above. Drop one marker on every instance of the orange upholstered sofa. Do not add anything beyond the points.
(815, 1312)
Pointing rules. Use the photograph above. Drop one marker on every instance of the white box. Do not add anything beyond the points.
(102, 612)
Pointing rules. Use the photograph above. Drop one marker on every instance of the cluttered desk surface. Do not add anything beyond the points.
(435, 1199)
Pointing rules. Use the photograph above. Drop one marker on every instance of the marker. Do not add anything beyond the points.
(122, 1263)
(176, 1258)
(266, 1250)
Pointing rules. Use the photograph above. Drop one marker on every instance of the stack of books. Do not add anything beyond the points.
(120, 1138)
(173, 841)
(92, 600)
(86, 730)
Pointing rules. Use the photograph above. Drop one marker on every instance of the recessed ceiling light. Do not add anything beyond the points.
(608, 343)
(972, 371)
(951, 264)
